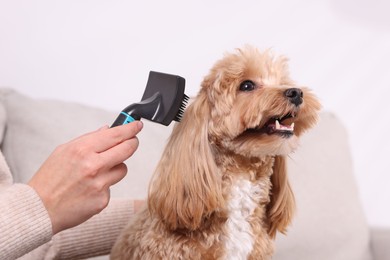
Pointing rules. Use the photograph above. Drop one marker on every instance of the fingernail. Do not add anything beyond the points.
(140, 125)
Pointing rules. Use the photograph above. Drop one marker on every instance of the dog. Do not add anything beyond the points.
(220, 190)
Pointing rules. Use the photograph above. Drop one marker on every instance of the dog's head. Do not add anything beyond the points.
(255, 108)
(247, 106)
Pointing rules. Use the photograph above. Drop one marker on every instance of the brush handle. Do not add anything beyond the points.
(124, 118)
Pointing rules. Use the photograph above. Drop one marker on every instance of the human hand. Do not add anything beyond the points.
(74, 181)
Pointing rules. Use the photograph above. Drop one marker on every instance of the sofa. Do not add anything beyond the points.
(329, 224)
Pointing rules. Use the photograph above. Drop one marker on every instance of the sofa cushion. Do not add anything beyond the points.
(3, 121)
(329, 223)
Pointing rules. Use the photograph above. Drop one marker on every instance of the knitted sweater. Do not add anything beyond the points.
(26, 232)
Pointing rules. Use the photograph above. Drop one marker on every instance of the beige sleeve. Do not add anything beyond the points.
(26, 231)
(93, 238)
(24, 221)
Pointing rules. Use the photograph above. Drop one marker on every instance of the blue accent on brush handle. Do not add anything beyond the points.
(128, 119)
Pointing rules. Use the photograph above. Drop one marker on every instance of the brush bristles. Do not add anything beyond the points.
(182, 108)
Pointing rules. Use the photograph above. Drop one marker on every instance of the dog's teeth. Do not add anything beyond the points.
(292, 126)
(277, 124)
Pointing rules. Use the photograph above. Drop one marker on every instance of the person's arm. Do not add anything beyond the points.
(24, 221)
(71, 186)
(95, 237)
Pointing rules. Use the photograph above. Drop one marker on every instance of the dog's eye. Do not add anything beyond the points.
(247, 85)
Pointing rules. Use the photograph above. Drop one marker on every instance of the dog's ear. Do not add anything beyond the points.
(282, 206)
(186, 186)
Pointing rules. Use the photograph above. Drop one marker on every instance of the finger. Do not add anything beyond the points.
(114, 175)
(105, 139)
(90, 133)
(119, 153)
(105, 127)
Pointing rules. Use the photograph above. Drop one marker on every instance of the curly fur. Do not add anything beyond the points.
(220, 190)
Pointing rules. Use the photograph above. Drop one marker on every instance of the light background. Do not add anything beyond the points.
(100, 52)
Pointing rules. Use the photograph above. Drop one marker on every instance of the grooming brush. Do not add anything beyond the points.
(163, 101)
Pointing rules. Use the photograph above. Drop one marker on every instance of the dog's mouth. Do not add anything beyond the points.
(279, 125)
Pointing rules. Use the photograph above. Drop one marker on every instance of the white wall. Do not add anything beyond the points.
(100, 52)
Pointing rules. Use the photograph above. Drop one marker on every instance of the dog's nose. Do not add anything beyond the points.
(295, 95)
